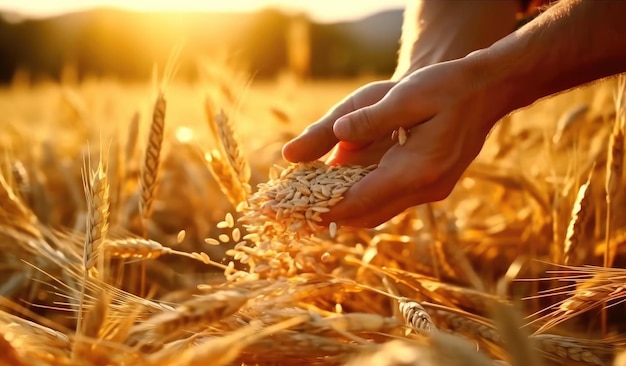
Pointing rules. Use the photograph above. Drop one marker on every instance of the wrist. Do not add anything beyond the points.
(496, 84)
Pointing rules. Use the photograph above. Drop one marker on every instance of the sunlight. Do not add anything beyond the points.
(323, 10)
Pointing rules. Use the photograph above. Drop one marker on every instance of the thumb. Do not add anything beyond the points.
(372, 122)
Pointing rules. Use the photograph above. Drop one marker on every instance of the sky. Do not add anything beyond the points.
(319, 10)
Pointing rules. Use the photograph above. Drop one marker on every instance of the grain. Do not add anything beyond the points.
(332, 229)
(293, 203)
(402, 136)
(211, 241)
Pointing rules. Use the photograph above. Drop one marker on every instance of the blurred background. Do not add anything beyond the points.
(115, 39)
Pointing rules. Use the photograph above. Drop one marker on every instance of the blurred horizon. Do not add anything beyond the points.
(322, 11)
(266, 43)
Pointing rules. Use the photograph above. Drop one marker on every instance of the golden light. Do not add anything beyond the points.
(184, 134)
(323, 10)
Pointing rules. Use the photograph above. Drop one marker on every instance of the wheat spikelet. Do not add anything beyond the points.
(96, 188)
(568, 121)
(232, 148)
(597, 286)
(229, 183)
(416, 317)
(471, 325)
(14, 212)
(21, 179)
(224, 350)
(196, 312)
(148, 180)
(136, 248)
(580, 214)
(565, 350)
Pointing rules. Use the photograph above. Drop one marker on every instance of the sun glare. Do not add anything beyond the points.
(325, 10)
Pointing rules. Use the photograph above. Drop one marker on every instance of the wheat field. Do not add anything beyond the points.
(132, 233)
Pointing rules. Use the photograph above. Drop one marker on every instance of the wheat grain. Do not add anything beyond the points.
(180, 237)
(293, 203)
(211, 241)
(402, 136)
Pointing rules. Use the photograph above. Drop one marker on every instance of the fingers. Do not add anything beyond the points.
(315, 141)
(319, 138)
(370, 123)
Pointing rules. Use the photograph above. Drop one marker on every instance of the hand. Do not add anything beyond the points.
(319, 138)
(449, 112)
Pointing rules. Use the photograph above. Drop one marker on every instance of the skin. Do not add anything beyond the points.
(451, 106)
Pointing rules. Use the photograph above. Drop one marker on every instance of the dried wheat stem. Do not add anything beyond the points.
(150, 169)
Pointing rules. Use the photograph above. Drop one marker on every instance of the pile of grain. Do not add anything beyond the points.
(291, 202)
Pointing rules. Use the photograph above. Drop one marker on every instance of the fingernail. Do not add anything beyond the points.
(341, 128)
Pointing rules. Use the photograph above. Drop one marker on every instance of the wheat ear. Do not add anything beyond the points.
(229, 147)
(416, 317)
(150, 169)
(96, 187)
(580, 214)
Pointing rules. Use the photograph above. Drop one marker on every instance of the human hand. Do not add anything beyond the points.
(449, 112)
(319, 138)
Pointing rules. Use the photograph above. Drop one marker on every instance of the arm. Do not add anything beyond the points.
(574, 42)
(450, 107)
(433, 31)
(443, 30)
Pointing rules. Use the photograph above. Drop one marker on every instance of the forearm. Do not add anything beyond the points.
(440, 30)
(574, 42)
